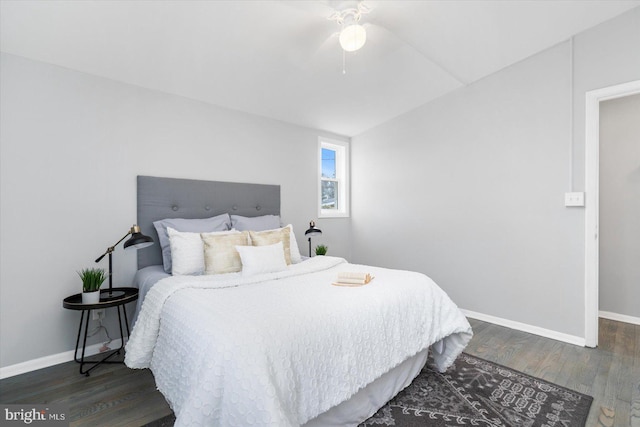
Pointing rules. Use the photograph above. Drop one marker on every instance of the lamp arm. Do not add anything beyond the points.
(110, 249)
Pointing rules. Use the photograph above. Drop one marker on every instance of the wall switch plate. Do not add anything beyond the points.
(97, 314)
(574, 199)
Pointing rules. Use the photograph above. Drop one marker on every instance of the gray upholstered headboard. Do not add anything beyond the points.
(160, 198)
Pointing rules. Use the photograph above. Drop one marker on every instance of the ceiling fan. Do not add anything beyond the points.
(342, 26)
(352, 35)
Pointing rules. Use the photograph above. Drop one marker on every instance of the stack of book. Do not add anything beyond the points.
(352, 279)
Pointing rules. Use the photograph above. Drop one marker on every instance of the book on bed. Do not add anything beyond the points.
(353, 279)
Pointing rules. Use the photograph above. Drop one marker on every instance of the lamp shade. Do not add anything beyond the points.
(312, 231)
(137, 239)
(353, 37)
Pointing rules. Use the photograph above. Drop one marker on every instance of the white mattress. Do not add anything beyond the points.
(286, 347)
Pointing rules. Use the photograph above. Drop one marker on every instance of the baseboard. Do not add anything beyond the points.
(547, 333)
(619, 317)
(54, 359)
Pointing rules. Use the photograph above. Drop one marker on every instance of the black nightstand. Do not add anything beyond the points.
(121, 296)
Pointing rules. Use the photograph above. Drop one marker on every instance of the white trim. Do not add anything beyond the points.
(51, 360)
(342, 149)
(592, 199)
(620, 317)
(547, 333)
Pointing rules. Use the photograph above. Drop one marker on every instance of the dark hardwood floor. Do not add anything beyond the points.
(116, 396)
(609, 373)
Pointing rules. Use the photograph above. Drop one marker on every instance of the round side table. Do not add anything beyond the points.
(116, 297)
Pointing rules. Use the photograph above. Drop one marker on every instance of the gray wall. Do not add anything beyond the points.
(71, 147)
(620, 206)
(469, 188)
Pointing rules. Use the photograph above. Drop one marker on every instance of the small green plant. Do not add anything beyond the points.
(92, 279)
(321, 250)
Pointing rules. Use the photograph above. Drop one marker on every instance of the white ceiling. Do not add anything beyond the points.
(281, 59)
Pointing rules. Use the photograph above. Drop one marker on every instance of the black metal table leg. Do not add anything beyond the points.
(119, 301)
(95, 363)
(75, 354)
(126, 321)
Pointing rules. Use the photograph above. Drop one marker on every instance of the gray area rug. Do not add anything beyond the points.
(476, 392)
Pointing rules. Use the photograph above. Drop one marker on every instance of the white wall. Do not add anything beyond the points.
(619, 227)
(469, 188)
(71, 147)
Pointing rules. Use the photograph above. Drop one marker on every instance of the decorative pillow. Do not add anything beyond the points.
(216, 223)
(270, 237)
(187, 251)
(262, 259)
(257, 223)
(294, 249)
(220, 254)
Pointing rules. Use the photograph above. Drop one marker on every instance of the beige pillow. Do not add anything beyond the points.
(270, 237)
(220, 254)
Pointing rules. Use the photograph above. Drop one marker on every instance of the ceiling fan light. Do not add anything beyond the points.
(353, 37)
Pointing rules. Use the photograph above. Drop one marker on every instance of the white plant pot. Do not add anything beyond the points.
(91, 297)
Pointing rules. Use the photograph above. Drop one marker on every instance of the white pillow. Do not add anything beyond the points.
(187, 251)
(262, 259)
(270, 237)
(293, 252)
(293, 247)
(205, 225)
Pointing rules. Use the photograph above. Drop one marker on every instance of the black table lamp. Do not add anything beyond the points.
(312, 231)
(136, 241)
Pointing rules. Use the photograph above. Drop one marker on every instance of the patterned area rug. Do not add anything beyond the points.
(476, 392)
(480, 393)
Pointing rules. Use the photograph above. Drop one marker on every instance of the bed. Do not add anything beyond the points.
(283, 347)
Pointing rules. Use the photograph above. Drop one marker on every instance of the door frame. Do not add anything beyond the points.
(592, 200)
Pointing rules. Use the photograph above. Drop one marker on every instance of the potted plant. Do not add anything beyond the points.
(321, 250)
(92, 279)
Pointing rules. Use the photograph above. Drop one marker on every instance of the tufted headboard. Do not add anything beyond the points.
(160, 198)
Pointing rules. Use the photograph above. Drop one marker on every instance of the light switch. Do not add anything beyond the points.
(574, 199)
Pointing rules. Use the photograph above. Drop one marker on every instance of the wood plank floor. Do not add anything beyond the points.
(116, 396)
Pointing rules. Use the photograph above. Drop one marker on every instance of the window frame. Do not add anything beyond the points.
(341, 148)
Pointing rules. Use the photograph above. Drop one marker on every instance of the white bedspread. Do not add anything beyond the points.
(279, 349)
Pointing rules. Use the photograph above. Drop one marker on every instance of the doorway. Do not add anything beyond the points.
(592, 202)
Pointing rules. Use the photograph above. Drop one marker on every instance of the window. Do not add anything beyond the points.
(334, 178)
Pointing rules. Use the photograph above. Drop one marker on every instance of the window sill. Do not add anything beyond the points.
(333, 215)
